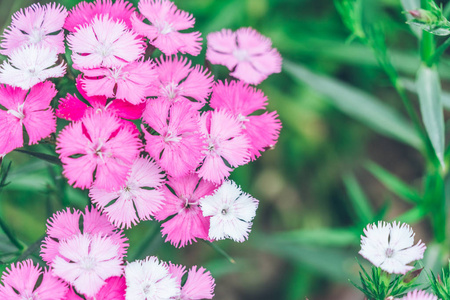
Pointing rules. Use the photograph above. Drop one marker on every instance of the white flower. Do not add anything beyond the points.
(149, 279)
(390, 247)
(30, 65)
(231, 211)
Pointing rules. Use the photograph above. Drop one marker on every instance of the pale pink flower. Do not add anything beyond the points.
(25, 108)
(26, 281)
(178, 146)
(150, 279)
(86, 261)
(29, 65)
(137, 200)
(226, 142)
(390, 247)
(84, 12)
(246, 53)
(231, 211)
(165, 23)
(178, 81)
(242, 101)
(104, 43)
(129, 82)
(98, 143)
(199, 283)
(418, 295)
(181, 201)
(38, 25)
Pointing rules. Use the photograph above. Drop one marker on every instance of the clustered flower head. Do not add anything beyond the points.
(151, 138)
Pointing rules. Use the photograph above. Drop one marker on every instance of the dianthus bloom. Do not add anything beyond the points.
(104, 43)
(25, 108)
(199, 283)
(84, 12)
(226, 142)
(99, 144)
(419, 295)
(137, 200)
(181, 200)
(179, 145)
(30, 65)
(150, 279)
(242, 101)
(248, 54)
(26, 281)
(38, 25)
(390, 247)
(178, 81)
(165, 23)
(231, 211)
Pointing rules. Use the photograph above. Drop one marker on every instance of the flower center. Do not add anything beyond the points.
(170, 91)
(28, 296)
(171, 137)
(163, 27)
(104, 50)
(224, 211)
(116, 73)
(17, 113)
(241, 55)
(36, 36)
(389, 252)
(88, 263)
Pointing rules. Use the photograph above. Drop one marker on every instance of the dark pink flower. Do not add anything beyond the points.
(199, 283)
(25, 108)
(242, 101)
(247, 53)
(187, 223)
(165, 23)
(99, 144)
(178, 146)
(227, 145)
(83, 13)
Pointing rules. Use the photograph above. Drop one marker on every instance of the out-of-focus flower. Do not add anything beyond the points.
(419, 295)
(199, 283)
(25, 108)
(231, 211)
(390, 247)
(165, 23)
(30, 65)
(246, 53)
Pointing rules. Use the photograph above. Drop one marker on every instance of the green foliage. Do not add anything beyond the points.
(441, 284)
(431, 19)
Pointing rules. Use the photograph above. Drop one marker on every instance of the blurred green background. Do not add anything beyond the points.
(317, 189)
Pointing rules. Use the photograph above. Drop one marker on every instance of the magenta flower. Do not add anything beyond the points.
(187, 223)
(114, 289)
(30, 109)
(242, 101)
(178, 146)
(199, 283)
(137, 200)
(84, 12)
(130, 82)
(26, 281)
(36, 25)
(99, 144)
(104, 43)
(165, 23)
(227, 145)
(177, 81)
(248, 54)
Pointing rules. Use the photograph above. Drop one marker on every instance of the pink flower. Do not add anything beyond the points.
(98, 143)
(86, 261)
(114, 289)
(178, 81)
(30, 109)
(104, 43)
(178, 146)
(242, 100)
(21, 282)
(84, 13)
(165, 23)
(139, 191)
(226, 142)
(248, 54)
(129, 82)
(231, 211)
(199, 283)
(38, 25)
(419, 295)
(187, 223)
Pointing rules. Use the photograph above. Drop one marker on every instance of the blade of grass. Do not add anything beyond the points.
(360, 202)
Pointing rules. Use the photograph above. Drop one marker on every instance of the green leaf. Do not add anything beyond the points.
(361, 203)
(358, 104)
(429, 91)
(394, 184)
(46, 157)
(339, 237)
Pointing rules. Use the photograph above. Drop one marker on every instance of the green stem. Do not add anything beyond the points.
(11, 236)
(427, 45)
(439, 51)
(221, 251)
